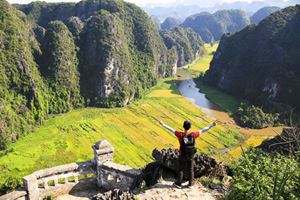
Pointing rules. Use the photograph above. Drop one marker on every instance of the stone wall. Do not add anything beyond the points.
(62, 179)
(58, 180)
(15, 195)
(109, 174)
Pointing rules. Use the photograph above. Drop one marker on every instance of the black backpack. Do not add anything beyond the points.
(188, 145)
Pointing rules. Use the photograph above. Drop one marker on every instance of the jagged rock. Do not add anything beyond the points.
(39, 33)
(150, 175)
(75, 26)
(166, 166)
(114, 195)
(288, 142)
(169, 158)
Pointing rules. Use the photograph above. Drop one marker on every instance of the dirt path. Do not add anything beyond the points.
(165, 191)
(160, 191)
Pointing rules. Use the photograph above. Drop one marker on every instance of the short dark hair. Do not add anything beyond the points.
(187, 125)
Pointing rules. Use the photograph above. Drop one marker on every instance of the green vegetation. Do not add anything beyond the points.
(259, 176)
(10, 183)
(23, 94)
(202, 63)
(118, 56)
(132, 130)
(244, 114)
(211, 27)
(59, 67)
(225, 101)
(237, 70)
(170, 23)
(255, 117)
(186, 42)
(198, 68)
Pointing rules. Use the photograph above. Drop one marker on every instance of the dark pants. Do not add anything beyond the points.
(185, 164)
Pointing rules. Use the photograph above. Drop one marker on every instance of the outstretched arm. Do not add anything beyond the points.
(167, 127)
(207, 128)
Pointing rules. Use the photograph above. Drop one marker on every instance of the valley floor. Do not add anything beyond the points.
(133, 131)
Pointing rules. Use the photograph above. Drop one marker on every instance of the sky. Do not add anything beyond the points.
(138, 2)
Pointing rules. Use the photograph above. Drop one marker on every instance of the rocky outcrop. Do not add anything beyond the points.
(114, 194)
(288, 142)
(59, 66)
(75, 25)
(166, 166)
(169, 159)
(186, 43)
(211, 27)
(261, 63)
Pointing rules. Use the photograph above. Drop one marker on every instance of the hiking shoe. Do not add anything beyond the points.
(191, 186)
(177, 185)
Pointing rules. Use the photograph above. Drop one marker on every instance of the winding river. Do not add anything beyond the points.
(188, 89)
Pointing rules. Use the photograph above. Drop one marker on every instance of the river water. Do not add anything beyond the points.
(188, 89)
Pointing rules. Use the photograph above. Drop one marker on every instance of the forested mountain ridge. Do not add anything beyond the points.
(23, 93)
(263, 13)
(211, 27)
(122, 29)
(186, 42)
(65, 55)
(261, 63)
(170, 23)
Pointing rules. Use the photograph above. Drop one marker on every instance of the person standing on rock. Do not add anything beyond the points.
(187, 149)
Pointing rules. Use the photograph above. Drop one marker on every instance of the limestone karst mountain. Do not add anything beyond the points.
(261, 63)
(187, 44)
(212, 26)
(60, 56)
(170, 23)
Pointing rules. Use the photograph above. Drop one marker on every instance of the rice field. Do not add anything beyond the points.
(133, 131)
(202, 63)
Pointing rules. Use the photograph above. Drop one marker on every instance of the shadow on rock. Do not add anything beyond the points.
(166, 165)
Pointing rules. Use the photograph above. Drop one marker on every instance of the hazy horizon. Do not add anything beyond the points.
(144, 3)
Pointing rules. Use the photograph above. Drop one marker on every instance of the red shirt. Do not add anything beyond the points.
(179, 136)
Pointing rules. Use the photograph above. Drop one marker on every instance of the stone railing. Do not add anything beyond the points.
(59, 180)
(15, 195)
(109, 174)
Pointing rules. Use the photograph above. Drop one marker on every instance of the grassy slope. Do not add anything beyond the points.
(132, 130)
